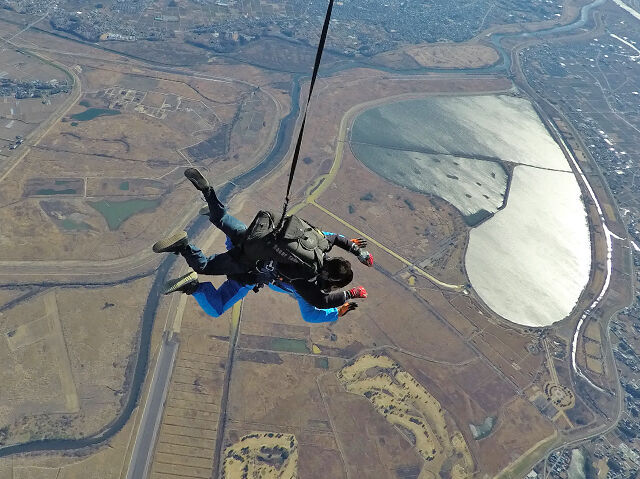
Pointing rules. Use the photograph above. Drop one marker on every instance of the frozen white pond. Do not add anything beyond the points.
(468, 184)
(530, 262)
(576, 466)
(495, 126)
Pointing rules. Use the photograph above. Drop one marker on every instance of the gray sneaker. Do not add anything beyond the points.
(204, 211)
(197, 178)
(186, 284)
(172, 244)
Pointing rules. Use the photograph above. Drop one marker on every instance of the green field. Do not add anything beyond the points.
(92, 113)
(322, 363)
(70, 225)
(51, 191)
(290, 345)
(117, 212)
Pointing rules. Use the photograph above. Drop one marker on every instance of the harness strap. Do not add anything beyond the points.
(316, 66)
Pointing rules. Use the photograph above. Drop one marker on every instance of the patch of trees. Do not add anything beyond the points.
(70, 23)
(4, 435)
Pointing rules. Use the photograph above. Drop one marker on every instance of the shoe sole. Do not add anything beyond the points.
(196, 178)
(164, 244)
(176, 284)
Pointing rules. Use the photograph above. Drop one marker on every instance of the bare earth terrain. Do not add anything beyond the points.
(421, 381)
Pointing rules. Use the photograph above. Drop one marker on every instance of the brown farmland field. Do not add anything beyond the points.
(81, 354)
(138, 147)
(450, 56)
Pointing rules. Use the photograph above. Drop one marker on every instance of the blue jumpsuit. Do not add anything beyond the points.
(214, 301)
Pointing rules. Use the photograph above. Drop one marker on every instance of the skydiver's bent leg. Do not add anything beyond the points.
(218, 215)
(195, 258)
(214, 301)
(217, 264)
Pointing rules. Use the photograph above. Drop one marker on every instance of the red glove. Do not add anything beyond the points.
(358, 292)
(359, 242)
(365, 258)
(345, 308)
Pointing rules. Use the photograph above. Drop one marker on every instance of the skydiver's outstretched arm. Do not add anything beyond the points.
(318, 298)
(312, 314)
(355, 246)
(323, 300)
(309, 313)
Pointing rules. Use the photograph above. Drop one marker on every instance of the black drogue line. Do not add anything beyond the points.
(296, 153)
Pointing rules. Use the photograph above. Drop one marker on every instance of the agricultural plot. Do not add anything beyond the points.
(81, 356)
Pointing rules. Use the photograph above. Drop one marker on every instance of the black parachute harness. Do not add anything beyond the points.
(269, 268)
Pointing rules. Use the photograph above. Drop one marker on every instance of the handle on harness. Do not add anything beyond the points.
(268, 268)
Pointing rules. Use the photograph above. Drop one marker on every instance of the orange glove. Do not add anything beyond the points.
(359, 242)
(345, 308)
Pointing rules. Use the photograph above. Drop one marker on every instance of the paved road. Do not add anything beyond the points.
(236, 316)
(152, 410)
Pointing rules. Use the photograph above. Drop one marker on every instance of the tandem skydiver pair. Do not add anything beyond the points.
(289, 255)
